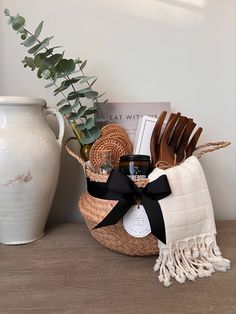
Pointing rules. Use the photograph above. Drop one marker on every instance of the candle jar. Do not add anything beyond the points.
(135, 166)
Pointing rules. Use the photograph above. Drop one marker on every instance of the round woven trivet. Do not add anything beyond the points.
(116, 146)
(126, 142)
(112, 130)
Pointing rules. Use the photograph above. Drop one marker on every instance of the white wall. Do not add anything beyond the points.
(181, 51)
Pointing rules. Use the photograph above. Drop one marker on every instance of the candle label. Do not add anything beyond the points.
(136, 222)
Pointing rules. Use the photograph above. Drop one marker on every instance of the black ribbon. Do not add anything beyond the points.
(120, 187)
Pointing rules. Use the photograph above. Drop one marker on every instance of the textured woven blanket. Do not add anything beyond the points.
(191, 250)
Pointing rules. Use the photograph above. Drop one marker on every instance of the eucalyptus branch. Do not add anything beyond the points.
(54, 66)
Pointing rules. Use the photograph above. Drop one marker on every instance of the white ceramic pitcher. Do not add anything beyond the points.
(29, 167)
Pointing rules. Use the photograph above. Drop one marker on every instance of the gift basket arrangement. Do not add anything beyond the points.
(169, 148)
(135, 204)
(131, 201)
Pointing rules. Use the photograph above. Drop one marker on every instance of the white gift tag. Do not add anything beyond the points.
(136, 222)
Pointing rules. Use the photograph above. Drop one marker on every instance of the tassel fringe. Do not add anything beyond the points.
(189, 258)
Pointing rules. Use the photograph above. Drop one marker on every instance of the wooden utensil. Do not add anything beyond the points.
(193, 142)
(166, 155)
(155, 138)
(182, 146)
(177, 132)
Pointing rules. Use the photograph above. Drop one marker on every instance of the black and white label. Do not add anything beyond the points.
(136, 222)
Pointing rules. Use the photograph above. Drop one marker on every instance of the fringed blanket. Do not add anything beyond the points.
(191, 250)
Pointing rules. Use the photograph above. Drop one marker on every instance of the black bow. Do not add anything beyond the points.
(120, 187)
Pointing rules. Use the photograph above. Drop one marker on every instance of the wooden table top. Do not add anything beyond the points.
(67, 271)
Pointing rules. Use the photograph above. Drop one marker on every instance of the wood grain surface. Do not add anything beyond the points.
(67, 271)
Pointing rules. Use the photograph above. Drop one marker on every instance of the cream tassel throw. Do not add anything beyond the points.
(191, 250)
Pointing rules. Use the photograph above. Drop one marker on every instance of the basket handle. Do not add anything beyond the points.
(77, 157)
(209, 147)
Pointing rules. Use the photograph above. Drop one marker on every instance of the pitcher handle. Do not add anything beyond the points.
(60, 120)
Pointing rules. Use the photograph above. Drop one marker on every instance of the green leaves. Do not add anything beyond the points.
(89, 136)
(72, 95)
(85, 79)
(32, 39)
(65, 109)
(65, 66)
(90, 111)
(29, 62)
(91, 94)
(89, 123)
(40, 46)
(38, 30)
(18, 22)
(6, 12)
(29, 41)
(46, 74)
(83, 65)
(61, 73)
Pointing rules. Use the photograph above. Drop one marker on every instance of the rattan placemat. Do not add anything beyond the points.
(117, 146)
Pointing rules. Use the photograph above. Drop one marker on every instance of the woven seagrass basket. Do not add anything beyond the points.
(115, 237)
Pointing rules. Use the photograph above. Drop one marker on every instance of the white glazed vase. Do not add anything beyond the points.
(29, 167)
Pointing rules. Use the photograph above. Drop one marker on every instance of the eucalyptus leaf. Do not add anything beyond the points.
(64, 85)
(39, 58)
(44, 44)
(39, 72)
(83, 65)
(54, 59)
(29, 62)
(95, 133)
(30, 41)
(88, 93)
(18, 22)
(38, 30)
(89, 136)
(84, 90)
(80, 126)
(35, 49)
(60, 89)
(72, 95)
(7, 12)
(86, 79)
(73, 116)
(90, 110)
(82, 110)
(100, 119)
(89, 123)
(46, 74)
(76, 103)
(91, 94)
(65, 109)
(65, 66)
